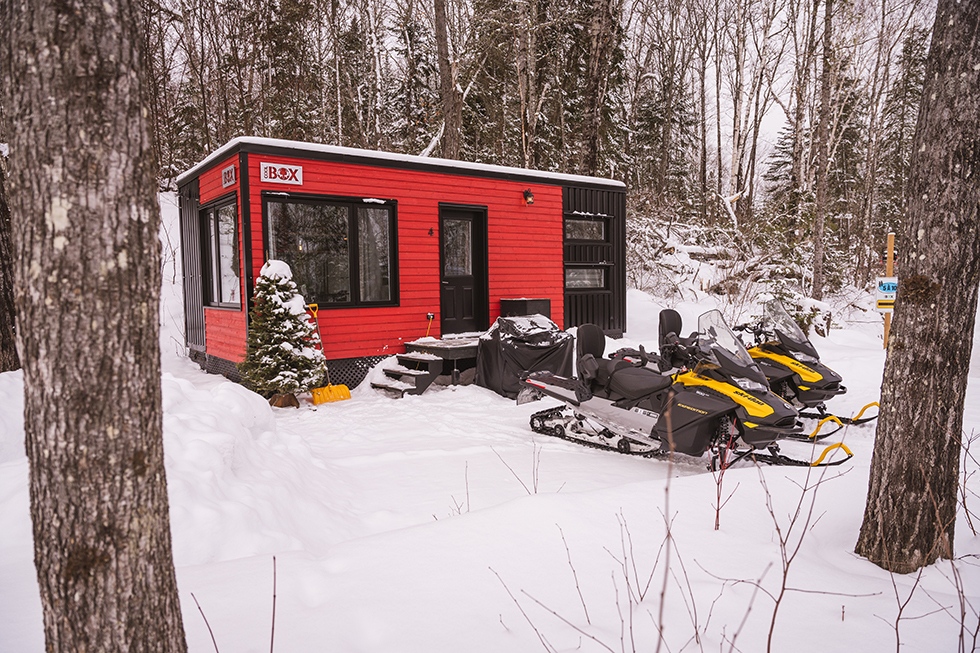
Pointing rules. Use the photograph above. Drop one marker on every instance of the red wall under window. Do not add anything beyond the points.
(524, 249)
(224, 328)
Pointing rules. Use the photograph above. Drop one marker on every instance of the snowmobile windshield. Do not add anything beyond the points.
(777, 321)
(718, 340)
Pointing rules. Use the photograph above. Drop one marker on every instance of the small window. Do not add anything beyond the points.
(585, 229)
(585, 278)
(224, 269)
(340, 252)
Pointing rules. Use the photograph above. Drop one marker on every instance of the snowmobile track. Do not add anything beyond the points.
(537, 423)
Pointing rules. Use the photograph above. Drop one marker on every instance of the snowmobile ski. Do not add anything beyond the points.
(857, 420)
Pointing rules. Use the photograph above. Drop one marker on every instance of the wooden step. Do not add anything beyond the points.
(401, 370)
(396, 388)
(418, 357)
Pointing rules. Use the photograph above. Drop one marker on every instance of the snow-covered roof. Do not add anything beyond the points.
(373, 156)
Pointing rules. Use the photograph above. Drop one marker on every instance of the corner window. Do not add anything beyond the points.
(585, 278)
(221, 223)
(585, 229)
(341, 252)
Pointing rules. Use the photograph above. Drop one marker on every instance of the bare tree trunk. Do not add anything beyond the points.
(737, 84)
(450, 96)
(8, 343)
(823, 154)
(801, 80)
(719, 57)
(911, 509)
(87, 278)
(603, 40)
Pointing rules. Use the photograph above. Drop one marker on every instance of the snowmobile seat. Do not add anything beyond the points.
(590, 340)
(636, 382)
(614, 376)
(670, 322)
(672, 346)
(590, 345)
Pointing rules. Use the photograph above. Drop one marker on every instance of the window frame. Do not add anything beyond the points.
(597, 219)
(210, 270)
(352, 205)
(604, 269)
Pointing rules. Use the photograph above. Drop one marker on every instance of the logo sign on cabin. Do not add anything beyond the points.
(887, 290)
(228, 176)
(277, 173)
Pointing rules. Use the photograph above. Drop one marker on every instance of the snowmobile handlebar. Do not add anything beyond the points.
(757, 330)
(675, 349)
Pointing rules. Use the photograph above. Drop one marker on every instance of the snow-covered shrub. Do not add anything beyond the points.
(283, 354)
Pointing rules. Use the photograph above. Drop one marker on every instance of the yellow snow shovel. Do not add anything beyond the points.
(328, 392)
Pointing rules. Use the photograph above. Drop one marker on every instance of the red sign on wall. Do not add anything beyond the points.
(228, 176)
(278, 173)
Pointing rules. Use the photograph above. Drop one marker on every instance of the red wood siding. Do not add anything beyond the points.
(524, 245)
(224, 329)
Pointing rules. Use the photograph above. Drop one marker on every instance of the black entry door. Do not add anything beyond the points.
(462, 237)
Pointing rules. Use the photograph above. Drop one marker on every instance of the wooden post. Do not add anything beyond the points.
(889, 271)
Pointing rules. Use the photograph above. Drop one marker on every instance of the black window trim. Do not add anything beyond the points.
(208, 268)
(579, 217)
(605, 266)
(352, 203)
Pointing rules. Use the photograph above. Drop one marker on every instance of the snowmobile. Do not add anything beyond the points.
(700, 394)
(793, 369)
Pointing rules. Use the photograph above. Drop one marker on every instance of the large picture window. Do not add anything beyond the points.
(341, 252)
(222, 225)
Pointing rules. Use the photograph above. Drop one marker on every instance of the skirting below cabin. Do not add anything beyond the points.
(346, 371)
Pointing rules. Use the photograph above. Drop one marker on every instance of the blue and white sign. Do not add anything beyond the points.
(887, 290)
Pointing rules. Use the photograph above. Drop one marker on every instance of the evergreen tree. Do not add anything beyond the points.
(901, 111)
(415, 94)
(283, 354)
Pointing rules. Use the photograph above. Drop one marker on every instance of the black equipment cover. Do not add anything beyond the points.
(515, 345)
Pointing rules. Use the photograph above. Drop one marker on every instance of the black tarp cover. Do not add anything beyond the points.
(515, 345)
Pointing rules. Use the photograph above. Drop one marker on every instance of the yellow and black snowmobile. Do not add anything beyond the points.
(702, 394)
(793, 368)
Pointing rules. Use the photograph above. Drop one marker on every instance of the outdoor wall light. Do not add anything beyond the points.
(528, 197)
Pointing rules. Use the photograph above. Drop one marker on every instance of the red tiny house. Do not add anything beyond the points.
(379, 241)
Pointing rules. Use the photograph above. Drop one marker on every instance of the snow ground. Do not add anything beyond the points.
(442, 523)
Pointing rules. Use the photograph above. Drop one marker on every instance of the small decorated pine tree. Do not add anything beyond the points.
(283, 354)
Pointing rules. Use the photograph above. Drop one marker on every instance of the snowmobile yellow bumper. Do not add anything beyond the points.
(861, 412)
(829, 418)
(827, 450)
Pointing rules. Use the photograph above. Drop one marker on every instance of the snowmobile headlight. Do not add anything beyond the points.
(749, 384)
(805, 358)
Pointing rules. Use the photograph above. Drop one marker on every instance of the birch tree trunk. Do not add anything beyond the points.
(823, 155)
(87, 280)
(805, 48)
(911, 508)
